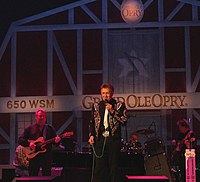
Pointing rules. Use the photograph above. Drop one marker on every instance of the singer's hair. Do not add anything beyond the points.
(183, 122)
(108, 85)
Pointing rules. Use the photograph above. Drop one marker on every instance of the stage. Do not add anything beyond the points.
(77, 166)
(81, 163)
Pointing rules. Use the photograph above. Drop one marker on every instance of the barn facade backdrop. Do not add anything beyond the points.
(58, 59)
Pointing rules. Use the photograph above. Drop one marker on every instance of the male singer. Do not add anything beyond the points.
(105, 135)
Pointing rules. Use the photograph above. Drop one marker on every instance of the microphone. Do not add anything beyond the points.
(108, 102)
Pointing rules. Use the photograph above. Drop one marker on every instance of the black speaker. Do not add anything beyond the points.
(154, 146)
(39, 179)
(147, 178)
(158, 165)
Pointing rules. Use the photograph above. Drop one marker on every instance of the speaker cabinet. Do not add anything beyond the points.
(147, 178)
(39, 179)
(154, 146)
(157, 165)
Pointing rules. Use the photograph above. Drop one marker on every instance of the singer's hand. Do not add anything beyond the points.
(91, 140)
(109, 107)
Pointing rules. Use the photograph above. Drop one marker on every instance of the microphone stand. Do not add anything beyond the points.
(154, 125)
(151, 125)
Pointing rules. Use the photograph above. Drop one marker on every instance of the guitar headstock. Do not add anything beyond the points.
(67, 134)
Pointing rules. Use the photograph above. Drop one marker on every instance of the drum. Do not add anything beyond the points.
(124, 146)
(135, 148)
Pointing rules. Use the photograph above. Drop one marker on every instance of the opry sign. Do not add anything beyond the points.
(134, 101)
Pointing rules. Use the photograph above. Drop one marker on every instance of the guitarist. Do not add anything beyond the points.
(42, 160)
(186, 139)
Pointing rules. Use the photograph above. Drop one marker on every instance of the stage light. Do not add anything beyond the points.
(132, 11)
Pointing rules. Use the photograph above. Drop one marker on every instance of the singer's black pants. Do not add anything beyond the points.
(106, 167)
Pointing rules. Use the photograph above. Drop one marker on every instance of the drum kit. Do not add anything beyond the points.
(153, 152)
(133, 145)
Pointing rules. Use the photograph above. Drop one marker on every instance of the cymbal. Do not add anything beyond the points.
(134, 135)
(145, 132)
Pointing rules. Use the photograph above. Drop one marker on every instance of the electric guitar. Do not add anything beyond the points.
(185, 141)
(40, 145)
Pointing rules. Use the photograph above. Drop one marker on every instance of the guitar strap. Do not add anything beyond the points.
(45, 132)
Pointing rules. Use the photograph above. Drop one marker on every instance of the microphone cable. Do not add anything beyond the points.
(97, 156)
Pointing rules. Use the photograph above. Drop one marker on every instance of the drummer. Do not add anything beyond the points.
(133, 138)
(135, 145)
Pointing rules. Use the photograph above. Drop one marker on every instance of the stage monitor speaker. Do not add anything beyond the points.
(147, 178)
(157, 165)
(154, 146)
(39, 179)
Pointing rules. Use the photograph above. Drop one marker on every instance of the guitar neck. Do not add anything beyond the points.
(48, 141)
(53, 139)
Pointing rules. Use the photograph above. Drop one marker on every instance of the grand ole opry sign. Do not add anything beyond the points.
(134, 101)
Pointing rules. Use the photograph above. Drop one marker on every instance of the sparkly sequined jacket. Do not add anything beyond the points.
(116, 119)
